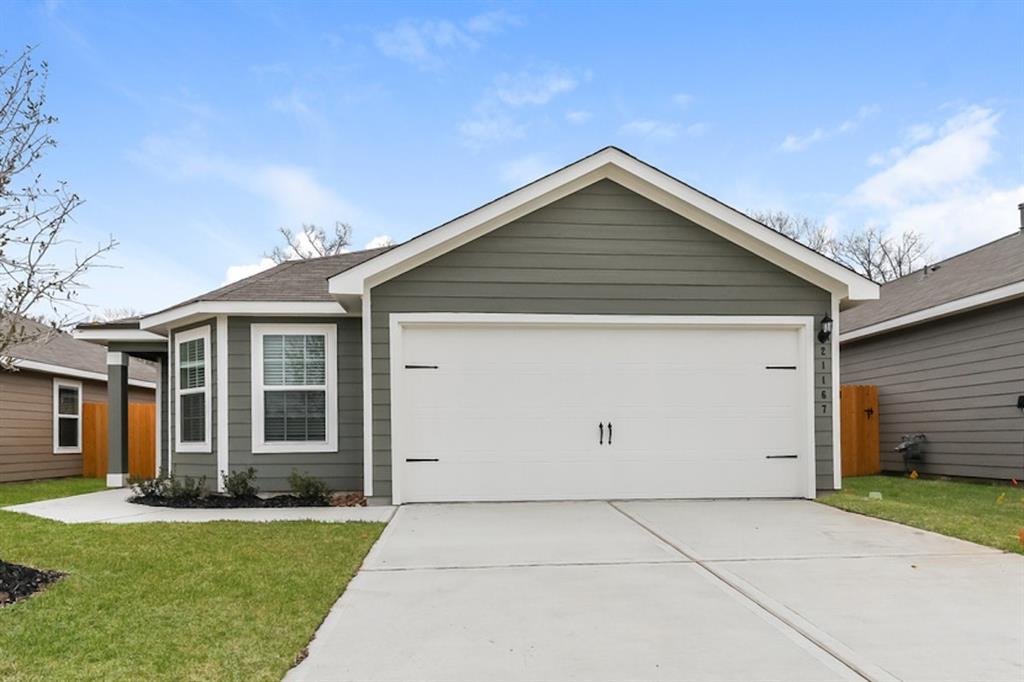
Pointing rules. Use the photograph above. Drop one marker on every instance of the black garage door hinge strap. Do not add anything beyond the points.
(421, 366)
(780, 456)
(780, 367)
(421, 459)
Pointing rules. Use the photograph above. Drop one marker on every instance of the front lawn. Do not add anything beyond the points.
(985, 513)
(32, 491)
(171, 601)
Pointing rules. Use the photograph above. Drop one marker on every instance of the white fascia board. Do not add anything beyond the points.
(104, 336)
(77, 373)
(647, 181)
(960, 305)
(187, 313)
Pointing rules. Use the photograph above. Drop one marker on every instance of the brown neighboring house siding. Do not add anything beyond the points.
(26, 424)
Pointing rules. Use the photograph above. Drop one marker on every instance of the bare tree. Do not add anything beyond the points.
(117, 313)
(312, 242)
(34, 271)
(869, 251)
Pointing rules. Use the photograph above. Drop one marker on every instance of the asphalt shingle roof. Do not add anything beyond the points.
(987, 267)
(66, 351)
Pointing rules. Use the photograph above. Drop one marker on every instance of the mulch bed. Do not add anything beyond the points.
(216, 501)
(18, 582)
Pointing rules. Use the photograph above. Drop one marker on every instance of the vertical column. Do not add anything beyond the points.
(117, 424)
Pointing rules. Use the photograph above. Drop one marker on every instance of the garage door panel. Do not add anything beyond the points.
(512, 412)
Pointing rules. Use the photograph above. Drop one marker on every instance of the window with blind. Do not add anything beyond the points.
(67, 416)
(294, 388)
(193, 390)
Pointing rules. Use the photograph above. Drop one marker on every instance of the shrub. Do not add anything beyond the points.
(149, 488)
(185, 489)
(309, 489)
(241, 484)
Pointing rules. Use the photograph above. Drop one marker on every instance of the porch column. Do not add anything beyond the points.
(117, 424)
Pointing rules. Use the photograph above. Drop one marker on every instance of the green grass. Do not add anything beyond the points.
(32, 491)
(171, 601)
(985, 513)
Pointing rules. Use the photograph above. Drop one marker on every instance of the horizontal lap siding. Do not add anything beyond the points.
(955, 380)
(602, 250)
(342, 470)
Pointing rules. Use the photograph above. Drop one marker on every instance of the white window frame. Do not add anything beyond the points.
(59, 383)
(179, 339)
(330, 334)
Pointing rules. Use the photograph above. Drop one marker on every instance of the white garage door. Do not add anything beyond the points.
(527, 411)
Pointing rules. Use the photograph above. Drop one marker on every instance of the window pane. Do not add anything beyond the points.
(67, 432)
(67, 400)
(293, 360)
(294, 416)
(193, 418)
(192, 364)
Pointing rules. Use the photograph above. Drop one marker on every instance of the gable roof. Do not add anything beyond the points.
(65, 355)
(987, 274)
(613, 164)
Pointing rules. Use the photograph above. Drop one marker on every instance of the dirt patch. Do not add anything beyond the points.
(217, 501)
(18, 582)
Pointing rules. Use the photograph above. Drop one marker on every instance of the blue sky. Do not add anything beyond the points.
(194, 130)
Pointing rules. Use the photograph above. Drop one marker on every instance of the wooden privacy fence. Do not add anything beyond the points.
(141, 440)
(859, 430)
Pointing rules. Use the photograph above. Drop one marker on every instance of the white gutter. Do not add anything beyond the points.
(77, 373)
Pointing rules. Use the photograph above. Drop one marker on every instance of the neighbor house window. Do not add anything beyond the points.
(294, 385)
(67, 416)
(193, 390)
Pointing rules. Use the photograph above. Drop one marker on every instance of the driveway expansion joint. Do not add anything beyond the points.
(808, 631)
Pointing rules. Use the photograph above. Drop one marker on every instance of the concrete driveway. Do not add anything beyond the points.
(670, 590)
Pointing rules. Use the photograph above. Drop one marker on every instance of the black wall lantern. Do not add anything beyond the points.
(826, 329)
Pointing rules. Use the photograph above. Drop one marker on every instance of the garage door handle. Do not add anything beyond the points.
(780, 457)
(609, 433)
(600, 429)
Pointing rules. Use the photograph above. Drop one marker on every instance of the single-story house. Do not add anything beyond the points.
(41, 403)
(945, 346)
(606, 331)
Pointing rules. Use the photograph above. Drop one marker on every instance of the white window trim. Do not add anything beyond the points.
(330, 334)
(57, 385)
(203, 333)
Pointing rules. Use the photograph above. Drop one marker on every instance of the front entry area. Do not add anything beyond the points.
(518, 407)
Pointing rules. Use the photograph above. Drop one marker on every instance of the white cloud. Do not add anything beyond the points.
(651, 129)
(961, 151)
(425, 44)
(682, 100)
(531, 87)
(525, 169)
(798, 143)
(237, 272)
(379, 241)
(578, 117)
(489, 127)
(939, 187)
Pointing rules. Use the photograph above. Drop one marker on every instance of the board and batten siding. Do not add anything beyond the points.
(26, 424)
(601, 250)
(956, 380)
(342, 470)
(194, 464)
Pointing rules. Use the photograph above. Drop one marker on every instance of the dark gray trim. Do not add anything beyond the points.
(117, 416)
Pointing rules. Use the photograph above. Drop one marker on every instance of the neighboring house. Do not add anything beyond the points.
(603, 332)
(41, 404)
(945, 346)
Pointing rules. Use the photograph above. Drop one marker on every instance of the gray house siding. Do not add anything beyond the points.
(342, 470)
(602, 250)
(956, 380)
(194, 464)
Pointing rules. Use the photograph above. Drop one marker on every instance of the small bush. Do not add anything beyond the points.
(309, 489)
(241, 484)
(149, 488)
(185, 489)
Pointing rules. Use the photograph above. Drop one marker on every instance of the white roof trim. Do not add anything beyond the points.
(616, 165)
(184, 314)
(77, 373)
(107, 335)
(960, 305)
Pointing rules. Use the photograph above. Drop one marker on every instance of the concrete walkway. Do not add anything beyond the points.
(112, 506)
(670, 590)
